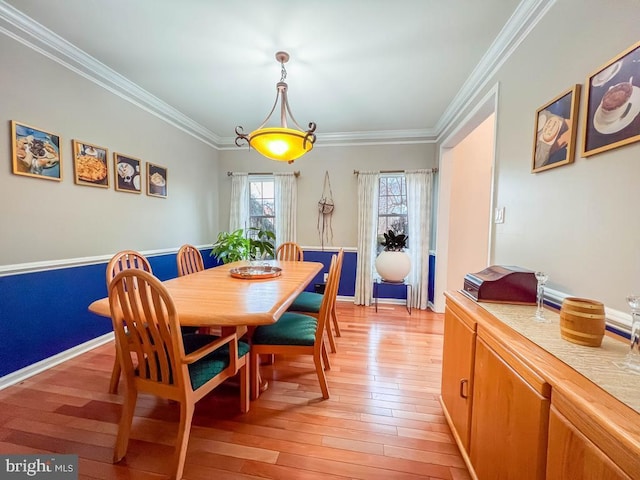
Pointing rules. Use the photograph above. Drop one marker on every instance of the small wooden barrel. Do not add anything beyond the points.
(582, 321)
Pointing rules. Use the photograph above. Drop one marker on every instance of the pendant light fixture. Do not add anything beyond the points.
(280, 143)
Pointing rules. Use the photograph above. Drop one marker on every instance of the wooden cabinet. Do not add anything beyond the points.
(518, 412)
(457, 372)
(510, 416)
(571, 454)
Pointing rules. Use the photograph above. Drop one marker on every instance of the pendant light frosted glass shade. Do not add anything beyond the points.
(281, 143)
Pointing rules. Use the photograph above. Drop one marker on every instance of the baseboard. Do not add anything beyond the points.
(391, 301)
(26, 372)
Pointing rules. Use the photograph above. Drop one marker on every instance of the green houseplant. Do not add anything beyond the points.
(234, 246)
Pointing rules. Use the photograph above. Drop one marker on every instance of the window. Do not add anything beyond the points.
(262, 203)
(392, 205)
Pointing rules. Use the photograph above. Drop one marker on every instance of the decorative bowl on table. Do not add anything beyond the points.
(255, 272)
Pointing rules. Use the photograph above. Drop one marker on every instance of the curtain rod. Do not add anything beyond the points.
(432, 170)
(296, 173)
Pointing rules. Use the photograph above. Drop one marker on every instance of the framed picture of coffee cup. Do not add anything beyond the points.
(90, 164)
(35, 152)
(127, 173)
(156, 180)
(612, 105)
(554, 134)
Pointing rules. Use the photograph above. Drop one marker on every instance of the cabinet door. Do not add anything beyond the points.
(509, 424)
(457, 369)
(571, 455)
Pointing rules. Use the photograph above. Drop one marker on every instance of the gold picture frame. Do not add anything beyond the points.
(156, 180)
(554, 133)
(127, 173)
(612, 104)
(90, 164)
(35, 152)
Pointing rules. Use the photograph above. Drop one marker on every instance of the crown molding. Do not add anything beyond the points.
(522, 21)
(384, 137)
(30, 33)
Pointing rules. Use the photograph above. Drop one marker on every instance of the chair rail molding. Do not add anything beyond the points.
(33, 267)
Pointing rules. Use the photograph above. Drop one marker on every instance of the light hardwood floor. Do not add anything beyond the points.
(383, 420)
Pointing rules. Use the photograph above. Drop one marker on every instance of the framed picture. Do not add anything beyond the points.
(156, 180)
(90, 164)
(126, 173)
(35, 152)
(613, 104)
(554, 135)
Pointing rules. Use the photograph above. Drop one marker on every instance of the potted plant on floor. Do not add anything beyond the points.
(393, 264)
(234, 246)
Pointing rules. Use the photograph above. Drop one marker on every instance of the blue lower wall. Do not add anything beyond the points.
(45, 313)
(347, 285)
(432, 276)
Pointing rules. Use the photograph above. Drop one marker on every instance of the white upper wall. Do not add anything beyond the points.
(576, 222)
(340, 162)
(46, 220)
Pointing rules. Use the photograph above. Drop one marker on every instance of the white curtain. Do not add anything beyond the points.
(367, 235)
(419, 187)
(239, 214)
(286, 203)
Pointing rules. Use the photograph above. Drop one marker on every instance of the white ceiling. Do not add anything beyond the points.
(363, 70)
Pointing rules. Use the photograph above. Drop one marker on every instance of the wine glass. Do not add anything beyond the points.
(632, 360)
(542, 278)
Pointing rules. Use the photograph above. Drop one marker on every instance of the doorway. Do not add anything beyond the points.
(465, 199)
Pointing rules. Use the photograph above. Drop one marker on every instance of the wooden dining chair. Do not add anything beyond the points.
(158, 360)
(289, 251)
(189, 260)
(309, 303)
(124, 260)
(296, 334)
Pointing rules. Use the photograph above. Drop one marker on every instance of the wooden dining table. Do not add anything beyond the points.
(214, 298)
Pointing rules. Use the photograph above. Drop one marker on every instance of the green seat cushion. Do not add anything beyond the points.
(307, 302)
(290, 329)
(207, 367)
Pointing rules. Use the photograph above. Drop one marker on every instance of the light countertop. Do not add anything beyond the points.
(601, 364)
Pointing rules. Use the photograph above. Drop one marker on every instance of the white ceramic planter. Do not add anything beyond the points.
(393, 266)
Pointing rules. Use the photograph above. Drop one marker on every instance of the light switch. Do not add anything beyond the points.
(498, 215)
